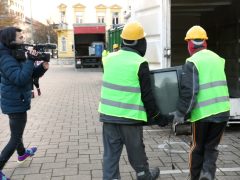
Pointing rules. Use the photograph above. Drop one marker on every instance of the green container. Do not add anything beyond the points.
(114, 37)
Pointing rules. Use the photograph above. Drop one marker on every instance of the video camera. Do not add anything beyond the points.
(19, 50)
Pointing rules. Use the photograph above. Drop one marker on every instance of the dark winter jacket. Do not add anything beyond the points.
(188, 94)
(16, 81)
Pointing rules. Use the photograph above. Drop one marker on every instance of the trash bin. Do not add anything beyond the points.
(98, 49)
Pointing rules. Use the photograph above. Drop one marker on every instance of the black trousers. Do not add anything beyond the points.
(17, 122)
(204, 149)
(114, 137)
(35, 83)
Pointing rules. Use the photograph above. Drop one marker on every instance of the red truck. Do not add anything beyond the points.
(89, 41)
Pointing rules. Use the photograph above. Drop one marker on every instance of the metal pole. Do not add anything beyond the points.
(48, 37)
(32, 41)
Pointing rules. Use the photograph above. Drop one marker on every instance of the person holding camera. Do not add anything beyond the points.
(16, 85)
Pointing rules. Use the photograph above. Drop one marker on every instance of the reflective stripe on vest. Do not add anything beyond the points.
(213, 97)
(212, 101)
(122, 105)
(212, 84)
(121, 94)
(120, 88)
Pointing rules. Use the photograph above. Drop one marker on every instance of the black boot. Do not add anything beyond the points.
(209, 165)
(39, 91)
(152, 174)
(206, 176)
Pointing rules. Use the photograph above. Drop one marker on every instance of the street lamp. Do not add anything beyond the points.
(32, 41)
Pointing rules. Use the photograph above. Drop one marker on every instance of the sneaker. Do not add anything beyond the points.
(3, 177)
(29, 152)
(155, 173)
(151, 174)
(39, 92)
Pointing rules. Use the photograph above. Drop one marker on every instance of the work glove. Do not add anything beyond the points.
(178, 117)
(163, 120)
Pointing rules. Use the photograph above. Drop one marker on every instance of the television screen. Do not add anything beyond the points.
(165, 85)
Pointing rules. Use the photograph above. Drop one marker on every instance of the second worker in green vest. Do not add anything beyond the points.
(204, 96)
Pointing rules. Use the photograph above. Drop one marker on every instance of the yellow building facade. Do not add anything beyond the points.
(109, 12)
(65, 44)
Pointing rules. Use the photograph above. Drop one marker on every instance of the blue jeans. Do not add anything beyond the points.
(17, 122)
(114, 137)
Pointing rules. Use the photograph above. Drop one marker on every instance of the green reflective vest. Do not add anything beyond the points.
(104, 55)
(213, 97)
(121, 94)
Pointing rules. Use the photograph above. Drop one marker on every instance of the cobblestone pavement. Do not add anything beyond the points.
(63, 124)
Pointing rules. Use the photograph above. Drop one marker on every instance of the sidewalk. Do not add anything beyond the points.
(63, 124)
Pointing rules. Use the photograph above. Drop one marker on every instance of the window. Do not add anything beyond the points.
(115, 18)
(79, 17)
(101, 17)
(62, 16)
(64, 44)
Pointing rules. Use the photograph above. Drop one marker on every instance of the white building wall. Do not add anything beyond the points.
(154, 15)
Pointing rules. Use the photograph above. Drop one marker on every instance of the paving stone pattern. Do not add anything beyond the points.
(63, 124)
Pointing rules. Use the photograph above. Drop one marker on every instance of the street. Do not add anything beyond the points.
(63, 124)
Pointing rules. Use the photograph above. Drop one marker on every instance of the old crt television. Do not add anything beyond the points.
(165, 86)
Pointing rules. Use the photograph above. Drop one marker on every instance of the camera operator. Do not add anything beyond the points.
(16, 86)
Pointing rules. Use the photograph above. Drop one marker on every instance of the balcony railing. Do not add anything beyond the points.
(60, 26)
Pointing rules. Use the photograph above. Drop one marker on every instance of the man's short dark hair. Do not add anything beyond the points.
(8, 35)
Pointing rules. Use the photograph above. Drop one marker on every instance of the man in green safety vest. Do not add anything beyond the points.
(126, 104)
(115, 47)
(104, 55)
(204, 96)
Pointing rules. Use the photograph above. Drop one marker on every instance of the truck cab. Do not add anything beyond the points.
(89, 42)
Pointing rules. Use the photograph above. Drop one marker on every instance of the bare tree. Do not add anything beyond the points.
(51, 32)
(6, 18)
(44, 33)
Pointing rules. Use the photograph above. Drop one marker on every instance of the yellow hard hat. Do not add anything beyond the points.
(115, 46)
(196, 32)
(133, 31)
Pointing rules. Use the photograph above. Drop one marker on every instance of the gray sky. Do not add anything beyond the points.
(44, 9)
(41, 10)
